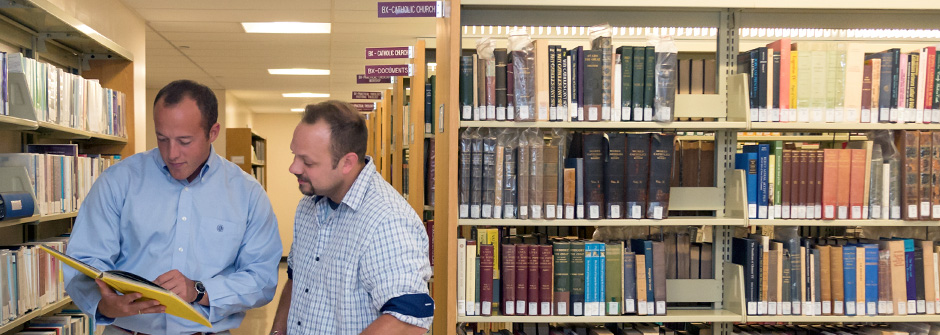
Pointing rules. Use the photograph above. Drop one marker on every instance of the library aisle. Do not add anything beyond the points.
(258, 320)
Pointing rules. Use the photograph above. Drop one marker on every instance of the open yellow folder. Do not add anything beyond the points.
(126, 282)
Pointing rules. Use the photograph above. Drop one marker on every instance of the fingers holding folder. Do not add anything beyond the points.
(114, 305)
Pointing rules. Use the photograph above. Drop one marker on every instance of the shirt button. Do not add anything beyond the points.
(298, 323)
(184, 218)
(306, 290)
(318, 258)
(186, 189)
(181, 249)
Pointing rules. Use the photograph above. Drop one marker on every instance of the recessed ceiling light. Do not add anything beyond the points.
(286, 27)
(306, 95)
(296, 109)
(300, 72)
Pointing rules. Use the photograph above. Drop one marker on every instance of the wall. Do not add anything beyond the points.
(122, 25)
(282, 186)
(236, 114)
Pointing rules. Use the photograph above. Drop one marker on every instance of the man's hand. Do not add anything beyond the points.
(176, 282)
(114, 305)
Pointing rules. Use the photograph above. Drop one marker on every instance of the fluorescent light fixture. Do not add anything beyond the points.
(296, 109)
(300, 72)
(306, 95)
(286, 27)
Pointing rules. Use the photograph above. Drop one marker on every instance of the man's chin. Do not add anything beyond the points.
(307, 191)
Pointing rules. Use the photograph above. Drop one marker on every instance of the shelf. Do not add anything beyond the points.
(837, 318)
(674, 221)
(860, 223)
(15, 123)
(34, 314)
(37, 218)
(829, 127)
(679, 315)
(426, 135)
(44, 16)
(705, 125)
(257, 163)
(428, 208)
(63, 132)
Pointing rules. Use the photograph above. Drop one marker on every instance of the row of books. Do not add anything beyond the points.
(697, 76)
(429, 172)
(520, 276)
(586, 329)
(553, 83)
(899, 328)
(694, 164)
(66, 322)
(839, 82)
(507, 173)
(793, 276)
(896, 175)
(59, 175)
(61, 97)
(30, 278)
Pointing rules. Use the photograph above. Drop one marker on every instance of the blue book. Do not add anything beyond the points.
(590, 279)
(763, 175)
(909, 276)
(871, 278)
(792, 250)
(16, 205)
(601, 267)
(629, 282)
(748, 162)
(848, 275)
(745, 252)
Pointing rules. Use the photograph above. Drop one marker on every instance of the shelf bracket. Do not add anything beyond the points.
(57, 35)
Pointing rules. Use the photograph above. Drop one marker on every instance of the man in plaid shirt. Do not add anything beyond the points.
(359, 261)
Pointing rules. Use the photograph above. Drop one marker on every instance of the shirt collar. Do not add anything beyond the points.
(357, 192)
(211, 162)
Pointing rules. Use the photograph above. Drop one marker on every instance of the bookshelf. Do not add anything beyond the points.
(248, 150)
(399, 101)
(51, 32)
(415, 130)
(463, 16)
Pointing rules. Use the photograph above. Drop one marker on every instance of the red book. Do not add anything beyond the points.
(931, 70)
(820, 171)
(522, 278)
(533, 286)
(509, 279)
(811, 179)
(843, 186)
(857, 183)
(830, 183)
(546, 274)
(803, 187)
(486, 279)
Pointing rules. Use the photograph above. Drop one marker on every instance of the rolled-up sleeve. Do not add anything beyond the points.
(254, 279)
(396, 270)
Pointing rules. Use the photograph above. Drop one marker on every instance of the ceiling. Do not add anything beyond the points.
(203, 40)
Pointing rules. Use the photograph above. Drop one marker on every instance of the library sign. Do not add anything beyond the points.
(367, 95)
(364, 79)
(389, 53)
(364, 106)
(411, 9)
(389, 70)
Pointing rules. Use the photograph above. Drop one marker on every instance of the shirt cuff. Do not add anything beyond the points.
(419, 322)
(290, 273)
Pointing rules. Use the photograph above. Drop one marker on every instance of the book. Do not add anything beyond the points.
(562, 296)
(637, 175)
(615, 170)
(660, 156)
(594, 179)
(126, 282)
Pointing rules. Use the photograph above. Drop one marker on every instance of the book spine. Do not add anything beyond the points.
(508, 273)
(466, 88)
(626, 86)
(546, 273)
(661, 153)
(594, 158)
(924, 180)
(562, 297)
(650, 84)
(486, 279)
(577, 278)
(613, 271)
(502, 58)
(629, 283)
(522, 279)
(848, 256)
(637, 176)
(615, 171)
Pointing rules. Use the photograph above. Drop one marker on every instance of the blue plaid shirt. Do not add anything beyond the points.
(348, 263)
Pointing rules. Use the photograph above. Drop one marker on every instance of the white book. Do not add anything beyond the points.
(462, 277)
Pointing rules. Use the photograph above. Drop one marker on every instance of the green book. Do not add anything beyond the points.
(650, 84)
(639, 82)
(626, 82)
(562, 298)
(577, 278)
(778, 178)
(614, 275)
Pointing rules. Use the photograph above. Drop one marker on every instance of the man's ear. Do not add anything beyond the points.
(214, 132)
(349, 161)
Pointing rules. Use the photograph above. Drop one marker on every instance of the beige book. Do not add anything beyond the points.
(854, 69)
(541, 79)
(930, 292)
(825, 278)
(805, 272)
(860, 281)
(837, 280)
(867, 146)
(641, 284)
(898, 292)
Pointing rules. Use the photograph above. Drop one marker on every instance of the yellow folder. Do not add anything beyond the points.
(126, 282)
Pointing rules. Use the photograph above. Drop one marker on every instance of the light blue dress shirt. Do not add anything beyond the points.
(219, 229)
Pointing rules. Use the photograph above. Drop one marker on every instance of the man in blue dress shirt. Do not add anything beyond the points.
(359, 261)
(181, 216)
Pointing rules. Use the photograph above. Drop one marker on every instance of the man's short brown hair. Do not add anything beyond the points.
(348, 131)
